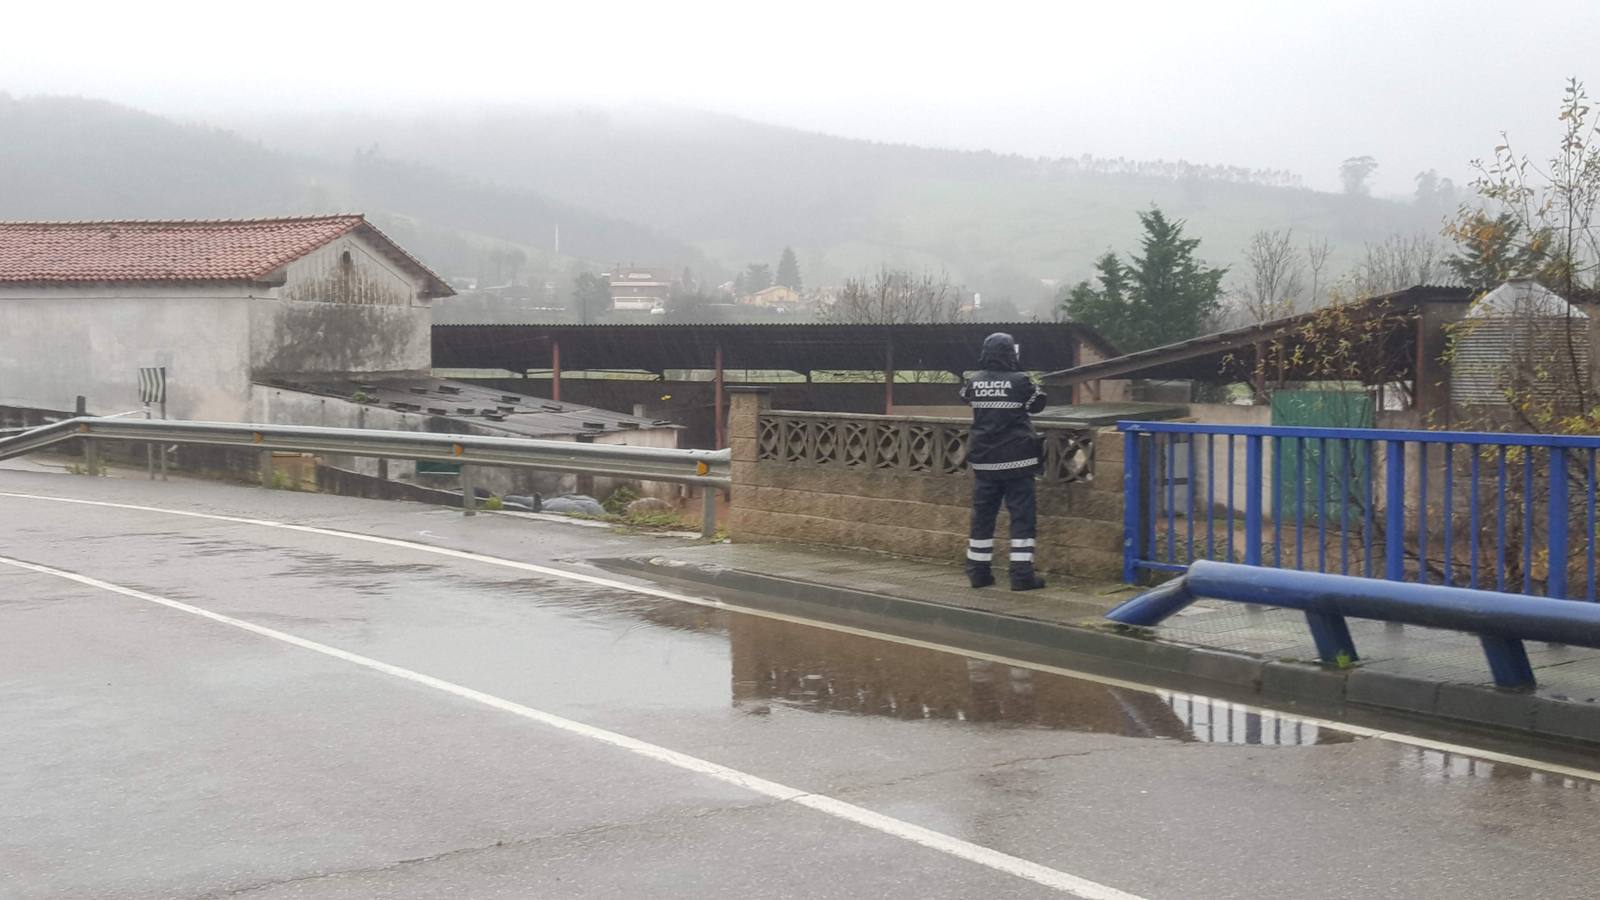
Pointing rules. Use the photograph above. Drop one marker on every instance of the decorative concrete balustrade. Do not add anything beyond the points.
(900, 485)
(912, 444)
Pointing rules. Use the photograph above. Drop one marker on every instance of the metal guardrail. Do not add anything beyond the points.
(711, 469)
(1501, 621)
(53, 421)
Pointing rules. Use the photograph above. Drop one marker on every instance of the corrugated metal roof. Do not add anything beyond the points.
(799, 347)
(1523, 297)
(1206, 357)
(483, 407)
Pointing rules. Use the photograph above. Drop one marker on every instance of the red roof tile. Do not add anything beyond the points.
(191, 251)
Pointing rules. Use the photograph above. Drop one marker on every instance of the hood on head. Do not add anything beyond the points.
(999, 353)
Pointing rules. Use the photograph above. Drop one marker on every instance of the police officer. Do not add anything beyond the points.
(1004, 454)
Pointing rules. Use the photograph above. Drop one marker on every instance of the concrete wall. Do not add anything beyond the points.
(342, 308)
(57, 343)
(915, 515)
(1114, 391)
(1229, 414)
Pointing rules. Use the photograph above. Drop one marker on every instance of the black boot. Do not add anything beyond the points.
(1023, 578)
(980, 576)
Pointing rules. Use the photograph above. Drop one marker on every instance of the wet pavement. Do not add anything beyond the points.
(148, 752)
(1564, 672)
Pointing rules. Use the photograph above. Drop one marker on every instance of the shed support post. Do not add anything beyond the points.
(555, 371)
(719, 440)
(888, 377)
(1260, 381)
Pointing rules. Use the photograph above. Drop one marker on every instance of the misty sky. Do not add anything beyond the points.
(1296, 85)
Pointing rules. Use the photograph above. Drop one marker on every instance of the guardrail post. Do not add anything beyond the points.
(708, 511)
(1331, 633)
(1508, 661)
(91, 456)
(1132, 472)
(266, 468)
(1558, 511)
(469, 493)
(1252, 499)
(1394, 513)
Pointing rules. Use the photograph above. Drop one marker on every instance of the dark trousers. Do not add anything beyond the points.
(1018, 495)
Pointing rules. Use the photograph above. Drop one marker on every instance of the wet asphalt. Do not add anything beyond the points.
(150, 753)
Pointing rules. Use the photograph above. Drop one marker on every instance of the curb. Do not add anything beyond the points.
(1136, 652)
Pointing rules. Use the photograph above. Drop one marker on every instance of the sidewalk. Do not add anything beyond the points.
(1263, 651)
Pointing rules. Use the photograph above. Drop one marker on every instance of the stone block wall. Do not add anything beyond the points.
(914, 514)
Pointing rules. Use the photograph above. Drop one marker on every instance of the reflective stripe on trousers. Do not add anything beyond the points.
(1018, 495)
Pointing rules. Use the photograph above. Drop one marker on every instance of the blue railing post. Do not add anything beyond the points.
(1131, 479)
(1394, 514)
(1558, 511)
(1151, 449)
(1252, 499)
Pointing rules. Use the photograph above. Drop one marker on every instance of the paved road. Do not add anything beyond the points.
(215, 708)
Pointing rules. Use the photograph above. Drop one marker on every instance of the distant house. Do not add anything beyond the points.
(777, 295)
(637, 289)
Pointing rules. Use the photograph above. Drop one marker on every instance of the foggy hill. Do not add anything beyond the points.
(67, 158)
(741, 191)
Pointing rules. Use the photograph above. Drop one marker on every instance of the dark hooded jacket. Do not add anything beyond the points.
(1003, 442)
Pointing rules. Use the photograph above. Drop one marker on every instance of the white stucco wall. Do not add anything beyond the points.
(327, 316)
(59, 342)
(333, 313)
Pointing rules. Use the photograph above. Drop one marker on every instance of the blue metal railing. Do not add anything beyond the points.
(1501, 621)
(1504, 512)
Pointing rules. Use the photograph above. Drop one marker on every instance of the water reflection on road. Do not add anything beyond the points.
(829, 671)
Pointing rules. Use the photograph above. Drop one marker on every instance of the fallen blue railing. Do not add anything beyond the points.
(1501, 621)
(1508, 512)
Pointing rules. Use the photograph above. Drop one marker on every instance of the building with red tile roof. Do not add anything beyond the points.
(252, 251)
(221, 304)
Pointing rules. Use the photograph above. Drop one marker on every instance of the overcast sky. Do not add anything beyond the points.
(1296, 85)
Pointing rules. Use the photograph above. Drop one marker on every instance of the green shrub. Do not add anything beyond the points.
(618, 502)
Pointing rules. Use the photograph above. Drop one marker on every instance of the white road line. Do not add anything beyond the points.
(839, 809)
(1396, 737)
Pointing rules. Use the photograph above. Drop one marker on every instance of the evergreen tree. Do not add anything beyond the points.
(1176, 296)
(591, 297)
(789, 270)
(1105, 308)
(1492, 251)
(1165, 295)
(755, 277)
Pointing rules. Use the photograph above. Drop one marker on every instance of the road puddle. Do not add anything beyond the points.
(834, 672)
